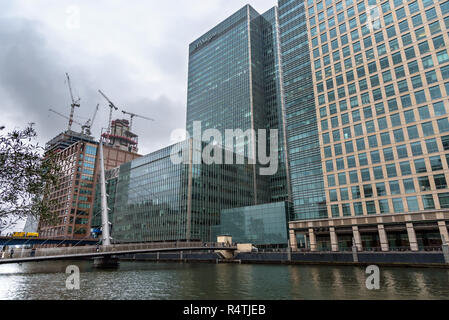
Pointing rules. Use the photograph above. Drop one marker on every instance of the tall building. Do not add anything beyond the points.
(234, 82)
(74, 195)
(379, 86)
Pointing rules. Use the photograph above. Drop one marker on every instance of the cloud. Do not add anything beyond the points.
(137, 54)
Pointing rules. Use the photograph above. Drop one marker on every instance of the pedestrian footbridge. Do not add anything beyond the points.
(117, 250)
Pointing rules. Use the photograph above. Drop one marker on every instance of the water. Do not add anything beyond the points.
(160, 281)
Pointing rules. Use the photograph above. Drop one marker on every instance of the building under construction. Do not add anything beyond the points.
(78, 156)
(121, 137)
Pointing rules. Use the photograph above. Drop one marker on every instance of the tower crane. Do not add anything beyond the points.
(132, 115)
(60, 114)
(88, 125)
(75, 103)
(113, 107)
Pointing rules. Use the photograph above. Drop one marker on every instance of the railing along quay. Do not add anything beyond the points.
(115, 248)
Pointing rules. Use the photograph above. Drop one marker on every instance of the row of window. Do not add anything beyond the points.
(380, 189)
(385, 206)
(369, 128)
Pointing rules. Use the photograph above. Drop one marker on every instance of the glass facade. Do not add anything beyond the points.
(157, 200)
(235, 83)
(263, 225)
(301, 116)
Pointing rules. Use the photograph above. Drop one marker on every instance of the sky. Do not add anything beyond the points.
(136, 52)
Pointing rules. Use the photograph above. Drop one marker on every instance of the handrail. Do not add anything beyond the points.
(133, 247)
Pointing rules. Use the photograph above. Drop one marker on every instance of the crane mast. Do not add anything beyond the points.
(75, 103)
(113, 107)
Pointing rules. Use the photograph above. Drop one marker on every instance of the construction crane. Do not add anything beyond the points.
(132, 115)
(113, 107)
(86, 128)
(60, 114)
(75, 103)
(88, 125)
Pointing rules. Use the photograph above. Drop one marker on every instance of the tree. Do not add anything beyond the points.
(26, 177)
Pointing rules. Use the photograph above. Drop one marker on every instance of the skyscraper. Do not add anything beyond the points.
(379, 85)
(235, 83)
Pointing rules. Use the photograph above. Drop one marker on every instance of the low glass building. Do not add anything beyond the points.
(263, 225)
(158, 200)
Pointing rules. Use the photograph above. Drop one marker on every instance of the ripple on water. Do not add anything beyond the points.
(161, 281)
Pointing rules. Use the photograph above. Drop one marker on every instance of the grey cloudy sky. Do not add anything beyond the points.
(134, 51)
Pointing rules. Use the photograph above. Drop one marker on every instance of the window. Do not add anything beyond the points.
(436, 163)
(375, 157)
(353, 177)
(372, 141)
(388, 154)
(358, 209)
(344, 195)
(412, 203)
(349, 147)
(391, 171)
(383, 206)
(445, 142)
(424, 184)
(427, 62)
(413, 132)
(405, 168)
(420, 166)
(409, 186)
(365, 175)
(368, 191)
(378, 173)
(398, 205)
(360, 144)
(363, 160)
(444, 200)
(431, 77)
(331, 180)
(434, 27)
(440, 181)
(385, 138)
(432, 145)
(351, 162)
(398, 135)
(443, 125)
(424, 113)
(427, 129)
(402, 151)
(395, 120)
(428, 202)
(335, 211)
(370, 207)
(394, 188)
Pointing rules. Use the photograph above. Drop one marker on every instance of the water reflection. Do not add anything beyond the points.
(137, 280)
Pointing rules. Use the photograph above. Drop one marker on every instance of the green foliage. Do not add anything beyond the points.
(26, 178)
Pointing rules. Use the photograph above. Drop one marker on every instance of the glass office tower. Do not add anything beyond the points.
(234, 83)
(301, 120)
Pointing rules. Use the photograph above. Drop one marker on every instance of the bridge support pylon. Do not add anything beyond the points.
(106, 262)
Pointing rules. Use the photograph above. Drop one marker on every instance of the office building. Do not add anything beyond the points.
(380, 75)
(158, 200)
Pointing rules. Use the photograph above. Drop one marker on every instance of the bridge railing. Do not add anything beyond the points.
(132, 247)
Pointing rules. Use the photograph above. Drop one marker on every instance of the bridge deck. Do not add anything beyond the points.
(117, 250)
